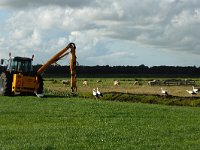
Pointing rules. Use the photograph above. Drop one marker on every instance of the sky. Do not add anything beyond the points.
(106, 32)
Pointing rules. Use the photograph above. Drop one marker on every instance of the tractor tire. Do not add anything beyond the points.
(40, 82)
(6, 84)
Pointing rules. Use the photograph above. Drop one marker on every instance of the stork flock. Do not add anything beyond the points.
(194, 91)
(96, 93)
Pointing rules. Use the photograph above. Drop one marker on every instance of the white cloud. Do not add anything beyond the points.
(17, 34)
(48, 25)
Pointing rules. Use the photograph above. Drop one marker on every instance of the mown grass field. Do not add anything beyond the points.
(127, 91)
(126, 86)
(59, 121)
(56, 123)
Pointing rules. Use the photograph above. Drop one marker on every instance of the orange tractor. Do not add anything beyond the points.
(19, 76)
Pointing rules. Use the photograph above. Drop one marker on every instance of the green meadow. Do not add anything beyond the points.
(56, 123)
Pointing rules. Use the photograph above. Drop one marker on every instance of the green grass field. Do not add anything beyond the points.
(56, 123)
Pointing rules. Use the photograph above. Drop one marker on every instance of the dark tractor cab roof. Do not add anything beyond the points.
(22, 58)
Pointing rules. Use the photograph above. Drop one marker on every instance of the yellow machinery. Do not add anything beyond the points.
(20, 77)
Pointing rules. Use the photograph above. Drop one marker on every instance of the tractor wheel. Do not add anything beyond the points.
(6, 84)
(40, 82)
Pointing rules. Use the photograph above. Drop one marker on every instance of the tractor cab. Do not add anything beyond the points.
(20, 65)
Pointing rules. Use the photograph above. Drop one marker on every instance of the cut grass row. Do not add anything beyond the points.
(76, 123)
(126, 86)
(126, 91)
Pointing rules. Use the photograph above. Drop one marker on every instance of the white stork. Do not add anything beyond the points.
(195, 90)
(99, 93)
(95, 94)
(164, 92)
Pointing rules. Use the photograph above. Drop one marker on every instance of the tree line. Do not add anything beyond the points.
(126, 70)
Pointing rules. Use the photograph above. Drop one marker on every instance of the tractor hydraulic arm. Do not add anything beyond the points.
(60, 55)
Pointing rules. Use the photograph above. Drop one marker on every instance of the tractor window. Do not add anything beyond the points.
(24, 66)
(14, 65)
(20, 65)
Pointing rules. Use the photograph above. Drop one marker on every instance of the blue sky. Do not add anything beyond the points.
(149, 32)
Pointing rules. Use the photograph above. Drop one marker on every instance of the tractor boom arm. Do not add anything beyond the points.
(60, 55)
